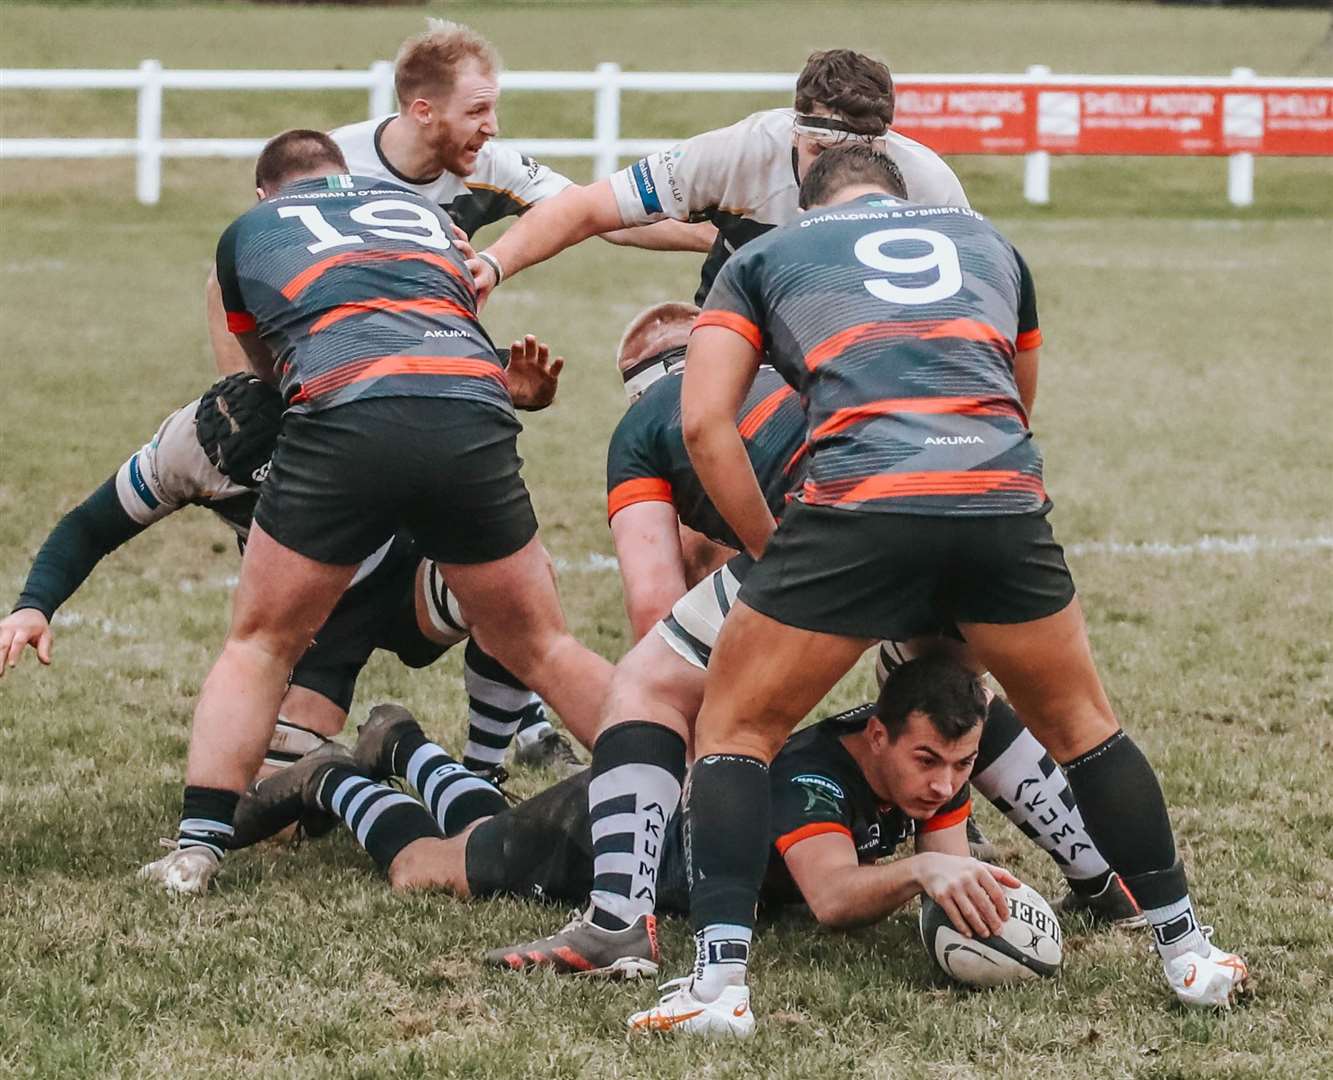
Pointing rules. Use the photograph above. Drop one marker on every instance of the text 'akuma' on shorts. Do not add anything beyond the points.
(345, 479)
(896, 576)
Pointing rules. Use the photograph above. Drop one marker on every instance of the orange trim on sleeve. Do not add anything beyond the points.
(787, 841)
(1028, 339)
(947, 819)
(642, 489)
(240, 322)
(729, 320)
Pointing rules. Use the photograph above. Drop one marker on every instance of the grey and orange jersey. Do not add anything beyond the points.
(359, 291)
(898, 325)
(743, 179)
(647, 460)
(503, 184)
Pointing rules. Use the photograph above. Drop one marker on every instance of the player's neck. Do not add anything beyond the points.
(858, 746)
(410, 156)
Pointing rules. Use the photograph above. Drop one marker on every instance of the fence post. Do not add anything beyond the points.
(148, 174)
(606, 127)
(1240, 167)
(1037, 167)
(382, 99)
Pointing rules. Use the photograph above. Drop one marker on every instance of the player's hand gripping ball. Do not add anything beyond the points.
(1027, 947)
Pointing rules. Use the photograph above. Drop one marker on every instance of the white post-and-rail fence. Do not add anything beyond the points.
(1005, 114)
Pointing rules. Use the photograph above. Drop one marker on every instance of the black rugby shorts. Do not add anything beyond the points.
(345, 479)
(894, 576)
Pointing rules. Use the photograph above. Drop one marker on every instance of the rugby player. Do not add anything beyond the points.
(911, 334)
(214, 452)
(657, 688)
(440, 145)
(353, 296)
(847, 792)
(743, 178)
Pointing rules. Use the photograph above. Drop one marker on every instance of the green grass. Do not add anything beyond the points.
(1184, 394)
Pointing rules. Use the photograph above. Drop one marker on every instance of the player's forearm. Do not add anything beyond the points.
(666, 235)
(860, 895)
(555, 224)
(724, 469)
(94, 528)
(228, 356)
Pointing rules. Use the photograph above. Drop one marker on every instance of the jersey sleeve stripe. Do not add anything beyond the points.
(496, 190)
(949, 818)
(424, 304)
(729, 320)
(311, 274)
(922, 329)
(757, 417)
(900, 485)
(380, 366)
(642, 489)
(1028, 339)
(845, 418)
(240, 322)
(787, 841)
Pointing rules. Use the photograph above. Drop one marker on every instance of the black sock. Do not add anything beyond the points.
(637, 769)
(497, 705)
(206, 818)
(384, 821)
(1021, 780)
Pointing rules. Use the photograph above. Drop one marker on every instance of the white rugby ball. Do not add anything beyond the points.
(1028, 946)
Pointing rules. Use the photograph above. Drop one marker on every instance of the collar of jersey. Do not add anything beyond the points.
(379, 153)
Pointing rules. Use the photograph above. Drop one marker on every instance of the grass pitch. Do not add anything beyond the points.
(1185, 396)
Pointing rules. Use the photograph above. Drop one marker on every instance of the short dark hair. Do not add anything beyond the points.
(292, 153)
(842, 166)
(941, 688)
(857, 87)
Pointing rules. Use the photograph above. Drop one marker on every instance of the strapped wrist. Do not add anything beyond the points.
(494, 263)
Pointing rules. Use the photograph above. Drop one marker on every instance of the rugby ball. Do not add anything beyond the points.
(1028, 946)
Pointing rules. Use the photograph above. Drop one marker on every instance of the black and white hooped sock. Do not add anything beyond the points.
(637, 770)
(497, 704)
(1021, 780)
(454, 795)
(384, 821)
(206, 819)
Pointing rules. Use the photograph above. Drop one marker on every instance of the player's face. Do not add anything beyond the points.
(462, 122)
(920, 771)
(810, 146)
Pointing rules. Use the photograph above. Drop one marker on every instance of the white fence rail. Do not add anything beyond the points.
(607, 82)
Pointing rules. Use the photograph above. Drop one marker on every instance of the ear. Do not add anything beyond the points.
(260, 194)
(421, 110)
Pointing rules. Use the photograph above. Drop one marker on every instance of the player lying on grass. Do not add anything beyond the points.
(911, 335)
(847, 792)
(441, 145)
(657, 688)
(743, 178)
(214, 452)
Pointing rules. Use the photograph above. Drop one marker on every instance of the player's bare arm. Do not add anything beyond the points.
(257, 355)
(228, 356)
(719, 368)
(1025, 375)
(666, 235)
(652, 565)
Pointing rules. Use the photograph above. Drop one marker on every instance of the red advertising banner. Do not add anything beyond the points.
(1113, 117)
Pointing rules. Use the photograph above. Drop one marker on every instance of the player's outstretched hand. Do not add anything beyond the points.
(463, 244)
(25, 627)
(533, 376)
(968, 891)
(484, 277)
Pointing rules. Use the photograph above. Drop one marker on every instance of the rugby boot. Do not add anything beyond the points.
(551, 751)
(979, 845)
(270, 805)
(1214, 980)
(1112, 906)
(184, 870)
(583, 948)
(376, 738)
(727, 1016)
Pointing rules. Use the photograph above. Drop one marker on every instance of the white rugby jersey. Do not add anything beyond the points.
(172, 471)
(503, 184)
(742, 178)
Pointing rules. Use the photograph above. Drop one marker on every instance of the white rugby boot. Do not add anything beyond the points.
(186, 871)
(728, 1016)
(1214, 980)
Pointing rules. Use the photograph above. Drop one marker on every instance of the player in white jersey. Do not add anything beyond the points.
(743, 178)
(439, 145)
